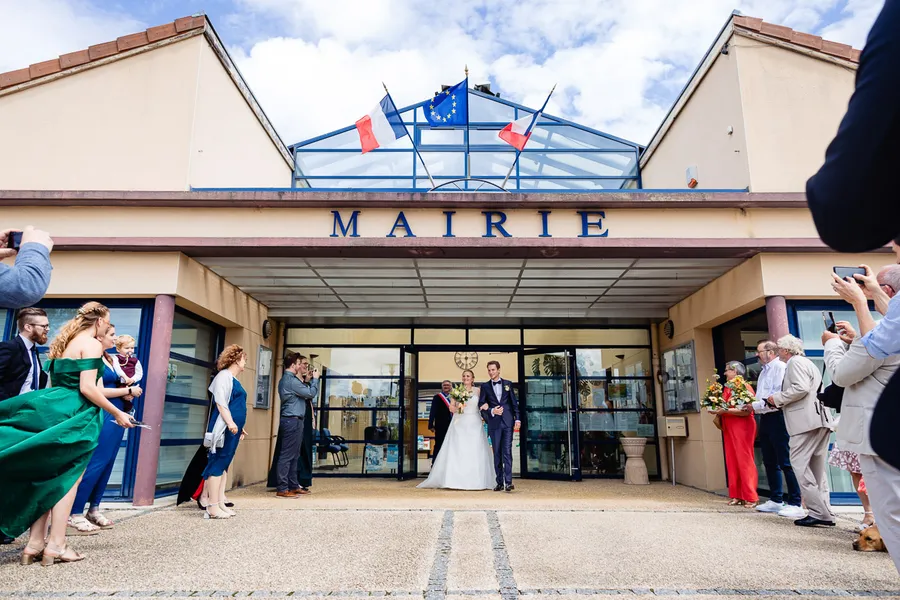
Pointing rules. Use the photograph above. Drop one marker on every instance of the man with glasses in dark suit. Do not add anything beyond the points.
(20, 368)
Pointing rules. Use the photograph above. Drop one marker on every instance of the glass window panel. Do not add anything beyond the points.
(361, 392)
(114, 487)
(603, 456)
(445, 164)
(495, 337)
(571, 184)
(4, 314)
(440, 336)
(487, 110)
(811, 324)
(587, 164)
(188, 380)
(315, 336)
(126, 320)
(183, 421)
(362, 184)
(356, 458)
(441, 137)
(173, 461)
(485, 164)
(354, 362)
(546, 135)
(586, 337)
(347, 139)
(680, 392)
(348, 164)
(355, 425)
(193, 338)
(615, 393)
(605, 426)
(613, 362)
(488, 137)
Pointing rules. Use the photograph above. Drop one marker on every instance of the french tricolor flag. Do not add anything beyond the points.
(381, 127)
(516, 134)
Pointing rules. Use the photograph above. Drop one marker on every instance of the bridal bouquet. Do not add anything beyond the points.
(712, 397)
(741, 393)
(461, 395)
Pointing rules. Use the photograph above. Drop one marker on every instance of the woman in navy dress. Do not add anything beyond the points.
(99, 469)
(226, 424)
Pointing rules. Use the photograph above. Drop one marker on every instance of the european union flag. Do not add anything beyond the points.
(450, 107)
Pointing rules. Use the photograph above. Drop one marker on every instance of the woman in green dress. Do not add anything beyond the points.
(47, 438)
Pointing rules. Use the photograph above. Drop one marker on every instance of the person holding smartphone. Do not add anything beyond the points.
(25, 282)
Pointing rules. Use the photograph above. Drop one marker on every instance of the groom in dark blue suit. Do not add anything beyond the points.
(500, 410)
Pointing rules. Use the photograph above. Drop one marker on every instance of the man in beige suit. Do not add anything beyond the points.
(809, 425)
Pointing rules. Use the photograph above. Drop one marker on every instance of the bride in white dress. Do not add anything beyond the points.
(465, 461)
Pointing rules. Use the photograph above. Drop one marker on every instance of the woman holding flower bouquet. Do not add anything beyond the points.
(739, 434)
(465, 461)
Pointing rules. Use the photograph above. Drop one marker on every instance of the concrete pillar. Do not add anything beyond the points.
(155, 377)
(777, 317)
(656, 366)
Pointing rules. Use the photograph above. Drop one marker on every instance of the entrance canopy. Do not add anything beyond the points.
(406, 287)
(560, 155)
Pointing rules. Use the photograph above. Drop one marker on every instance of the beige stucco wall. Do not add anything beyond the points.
(229, 146)
(698, 136)
(122, 126)
(169, 118)
(793, 104)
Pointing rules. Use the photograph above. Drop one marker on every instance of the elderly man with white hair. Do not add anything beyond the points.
(809, 425)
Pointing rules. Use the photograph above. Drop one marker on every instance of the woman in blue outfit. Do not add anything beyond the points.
(226, 428)
(96, 476)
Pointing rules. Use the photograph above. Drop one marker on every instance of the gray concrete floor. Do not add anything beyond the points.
(386, 538)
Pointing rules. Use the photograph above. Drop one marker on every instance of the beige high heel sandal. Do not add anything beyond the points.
(52, 556)
(30, 559)
(221, 515)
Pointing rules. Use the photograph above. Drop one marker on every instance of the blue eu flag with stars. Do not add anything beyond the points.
(450, 107)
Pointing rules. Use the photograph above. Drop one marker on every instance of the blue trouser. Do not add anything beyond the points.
(99, 469)
(291, 431)
(775, 440)
(501, 442)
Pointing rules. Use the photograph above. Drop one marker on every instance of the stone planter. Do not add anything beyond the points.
(635, 467)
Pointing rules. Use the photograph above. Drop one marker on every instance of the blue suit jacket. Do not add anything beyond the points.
(507, 400)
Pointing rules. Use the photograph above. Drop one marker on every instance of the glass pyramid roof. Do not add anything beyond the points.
(560, 156)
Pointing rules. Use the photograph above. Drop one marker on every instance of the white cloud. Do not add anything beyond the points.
(39, 30)
(618, 63)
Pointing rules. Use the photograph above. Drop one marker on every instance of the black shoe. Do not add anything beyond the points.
(498, 488)
(813, 522)
(5, 539)
(229, 504)
(510, 487)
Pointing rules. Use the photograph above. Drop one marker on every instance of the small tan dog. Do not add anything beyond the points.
(869, 540)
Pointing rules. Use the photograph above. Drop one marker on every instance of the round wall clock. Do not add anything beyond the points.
(466, 360)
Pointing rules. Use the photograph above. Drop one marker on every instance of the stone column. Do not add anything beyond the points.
(777, 317)
(155, 377)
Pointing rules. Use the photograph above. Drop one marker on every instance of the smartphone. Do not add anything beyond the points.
(828, 317)
(14, 240)
(849, 272)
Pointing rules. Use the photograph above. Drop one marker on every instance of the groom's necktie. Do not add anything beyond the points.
(35, 369)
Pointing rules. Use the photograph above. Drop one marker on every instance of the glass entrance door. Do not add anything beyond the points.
(549, 449)
(409, 360)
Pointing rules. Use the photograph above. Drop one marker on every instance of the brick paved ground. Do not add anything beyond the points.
(356, 538)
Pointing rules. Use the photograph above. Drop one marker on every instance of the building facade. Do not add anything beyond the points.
(605, 286)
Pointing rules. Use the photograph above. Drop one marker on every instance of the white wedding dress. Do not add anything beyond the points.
(465, 461)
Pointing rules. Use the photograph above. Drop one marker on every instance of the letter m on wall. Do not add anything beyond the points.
(352, 225)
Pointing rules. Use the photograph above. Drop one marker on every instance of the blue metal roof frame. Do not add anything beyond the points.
(576, 167)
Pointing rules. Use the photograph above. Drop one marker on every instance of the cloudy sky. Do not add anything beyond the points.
(317, 65)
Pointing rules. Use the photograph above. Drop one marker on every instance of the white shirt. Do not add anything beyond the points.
(770, 379)
(26, 387)
(498, 390)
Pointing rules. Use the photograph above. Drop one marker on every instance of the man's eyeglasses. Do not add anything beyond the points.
(38, 325)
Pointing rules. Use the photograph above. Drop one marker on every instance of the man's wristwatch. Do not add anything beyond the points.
(129, 391)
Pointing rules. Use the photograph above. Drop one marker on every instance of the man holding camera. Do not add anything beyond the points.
(295, 392)
(26, 282)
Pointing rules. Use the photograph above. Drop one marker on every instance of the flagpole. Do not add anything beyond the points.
(468, 160)
(534, 119)
(411, 139)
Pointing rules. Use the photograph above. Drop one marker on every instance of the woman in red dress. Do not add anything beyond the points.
(739, 434)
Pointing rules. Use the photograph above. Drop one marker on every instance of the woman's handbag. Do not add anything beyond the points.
(717, 421)
(831, 397)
